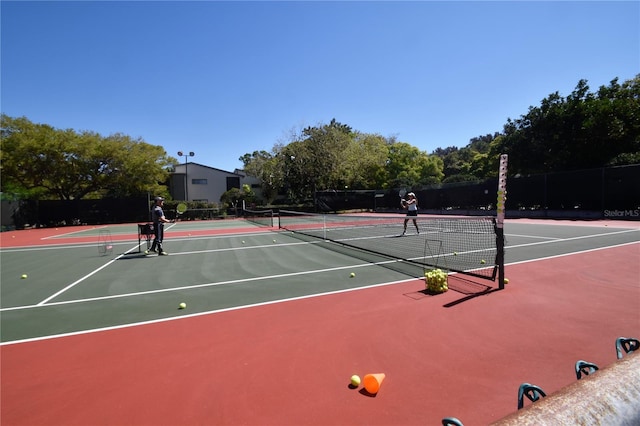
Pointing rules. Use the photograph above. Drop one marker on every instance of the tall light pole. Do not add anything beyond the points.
(185, 155)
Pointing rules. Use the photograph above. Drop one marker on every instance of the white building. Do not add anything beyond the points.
(196, 182)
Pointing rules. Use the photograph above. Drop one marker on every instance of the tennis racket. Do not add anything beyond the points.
(180, 209)
(402, 193)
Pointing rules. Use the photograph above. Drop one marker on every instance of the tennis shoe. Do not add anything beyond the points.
(163, 253)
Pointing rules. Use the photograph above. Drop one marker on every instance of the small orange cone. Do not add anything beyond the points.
(372, 382)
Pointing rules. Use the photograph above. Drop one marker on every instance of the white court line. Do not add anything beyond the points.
(182, 253)
(196, 286)
(272, 302)
(45, 302)
(534, 237)
(561, 240)
(233, 308)
(71, 233)
(95, 271)
(216, 250)
(122, 242)
(57, 247)
(570, 254)
(73, 284)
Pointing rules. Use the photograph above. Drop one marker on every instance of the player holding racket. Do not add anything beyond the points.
(411, 204)
(158, 227)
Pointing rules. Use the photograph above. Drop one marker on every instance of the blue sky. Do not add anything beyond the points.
(223, 79)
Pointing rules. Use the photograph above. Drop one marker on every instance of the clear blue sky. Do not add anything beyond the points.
(227, 78)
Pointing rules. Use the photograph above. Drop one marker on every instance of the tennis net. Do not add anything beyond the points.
(259, 217)
(465, 245)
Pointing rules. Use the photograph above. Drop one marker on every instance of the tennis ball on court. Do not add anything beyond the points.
(355, 380)
(353, 274)
(483, 261)
(506, 280)
(274, 241)
(242, 241)
(183, 305)
(24, 276)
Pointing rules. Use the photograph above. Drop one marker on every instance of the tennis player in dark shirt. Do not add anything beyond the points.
(158, 227)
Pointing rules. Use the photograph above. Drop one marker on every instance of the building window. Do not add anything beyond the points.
(233, 182)
(198, 181)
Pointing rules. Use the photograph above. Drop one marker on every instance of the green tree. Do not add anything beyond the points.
(333, 156)
(300, 173)
(268, 168)
(583, 130)
(236, 196)
(324, 150)
(453, 164)
(313, 161)
(363, 162)
(39, 161)
(409, 167)
(616, 118)
(467, 164)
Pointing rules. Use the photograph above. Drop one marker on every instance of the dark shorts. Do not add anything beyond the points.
(412, 212)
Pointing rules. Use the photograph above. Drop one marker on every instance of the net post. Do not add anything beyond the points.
(500, 208)
(324, 227)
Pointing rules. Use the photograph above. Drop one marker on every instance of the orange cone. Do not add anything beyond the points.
(372, 382)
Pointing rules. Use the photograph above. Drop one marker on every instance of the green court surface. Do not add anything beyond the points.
(75, 285)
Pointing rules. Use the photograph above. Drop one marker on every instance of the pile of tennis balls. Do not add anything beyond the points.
(436, 281)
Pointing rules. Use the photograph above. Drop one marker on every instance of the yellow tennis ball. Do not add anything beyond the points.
(506, 280)
(483, 261)
(353, 274)
(183, 305)
(274, 241)
(355, 380)
(24, 276)
(455, 253)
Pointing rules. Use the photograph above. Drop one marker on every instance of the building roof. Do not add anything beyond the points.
(190, 163)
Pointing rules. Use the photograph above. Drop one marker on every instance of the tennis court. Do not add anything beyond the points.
(275, 323)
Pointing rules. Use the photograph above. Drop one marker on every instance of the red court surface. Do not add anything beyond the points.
(289, 363)
(52, 236)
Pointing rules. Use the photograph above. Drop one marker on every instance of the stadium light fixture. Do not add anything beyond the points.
(186, 180)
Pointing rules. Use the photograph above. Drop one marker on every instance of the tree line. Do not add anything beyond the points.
(42, 162)
(580, 131)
